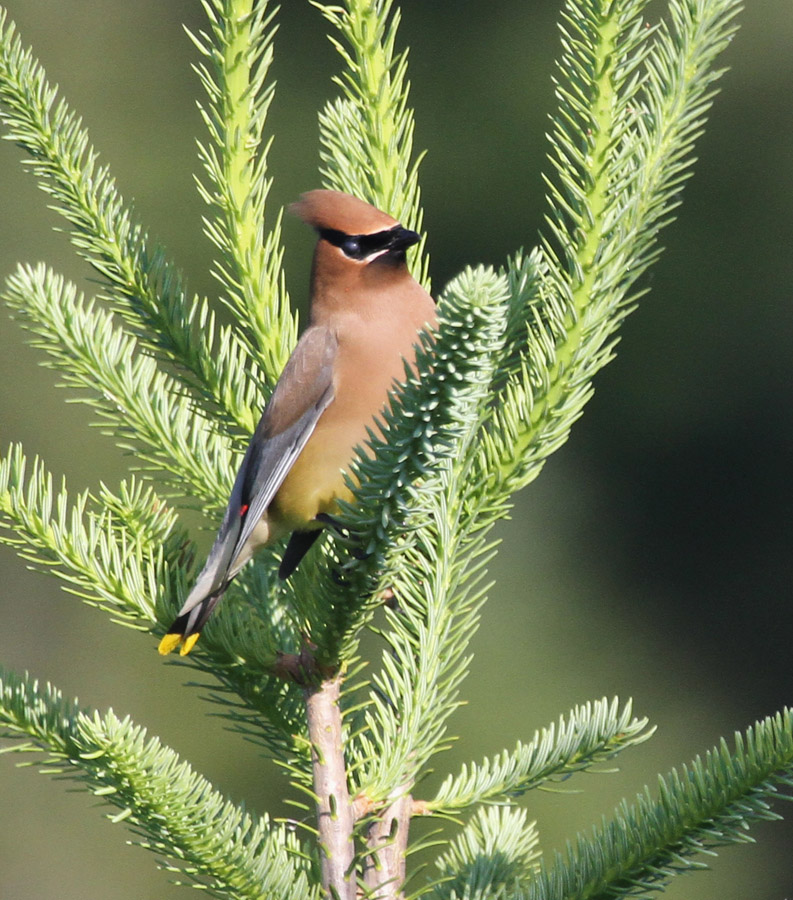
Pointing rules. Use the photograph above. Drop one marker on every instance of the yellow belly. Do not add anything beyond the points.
(313, 485)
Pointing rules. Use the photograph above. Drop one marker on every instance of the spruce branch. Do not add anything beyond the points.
(493, 393)
(632, 102)
(471, 309)
(239, 670)
(240, 659)
(122, 554)
(144, 409)
(591, 735)
(238, 53)
(140, 283)
(435, 566)
(430, 419)
(173, 812)
(706, 805)
(495, 855)
(366, 135)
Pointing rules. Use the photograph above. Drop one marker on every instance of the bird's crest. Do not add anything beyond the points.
(333, 210)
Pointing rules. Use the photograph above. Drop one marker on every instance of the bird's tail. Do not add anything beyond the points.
(186, 627)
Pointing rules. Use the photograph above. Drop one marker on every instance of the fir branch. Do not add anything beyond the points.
(591, 735)
(141, 284)
(366, 135)
(239, 52)
(173, 811)
(496, 855)
(124, 570)
(707, 805)
(123, 553)
(142, 407)
(434, 569)
(627, 96)
(429, 420)
(239, 661)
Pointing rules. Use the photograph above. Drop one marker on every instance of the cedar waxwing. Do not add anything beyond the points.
(366, 313)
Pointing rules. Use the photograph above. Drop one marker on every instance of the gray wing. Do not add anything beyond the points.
(303, 392)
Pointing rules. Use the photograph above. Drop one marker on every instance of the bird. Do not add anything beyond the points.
(366, 314)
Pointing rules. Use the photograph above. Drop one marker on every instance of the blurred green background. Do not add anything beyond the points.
(652, 559)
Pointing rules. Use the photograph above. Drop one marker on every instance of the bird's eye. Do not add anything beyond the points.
(352, 247)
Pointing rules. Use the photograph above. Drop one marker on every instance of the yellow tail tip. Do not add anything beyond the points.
(169, 643)
(189, 643)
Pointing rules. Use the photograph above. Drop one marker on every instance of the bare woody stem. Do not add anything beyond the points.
(335, 818)
(387, 840)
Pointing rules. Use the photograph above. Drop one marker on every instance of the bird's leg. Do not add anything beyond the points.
(347, 536)
(299, 544)
(332, 522)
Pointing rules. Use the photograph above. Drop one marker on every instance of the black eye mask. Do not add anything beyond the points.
(392, 242)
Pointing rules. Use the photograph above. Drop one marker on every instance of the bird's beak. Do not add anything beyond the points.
(402, 238)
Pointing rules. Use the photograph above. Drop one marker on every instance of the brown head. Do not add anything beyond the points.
(360, 252)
